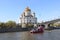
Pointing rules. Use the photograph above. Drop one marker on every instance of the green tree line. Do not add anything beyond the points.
(8, 24)
(13, 24)
(55, 24)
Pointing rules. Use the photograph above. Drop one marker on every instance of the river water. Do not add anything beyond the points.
(47, 35)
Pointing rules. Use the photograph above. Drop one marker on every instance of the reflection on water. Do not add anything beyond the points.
(54, 35)
(27, 36)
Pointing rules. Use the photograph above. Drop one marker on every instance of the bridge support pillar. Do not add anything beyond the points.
(46, 26)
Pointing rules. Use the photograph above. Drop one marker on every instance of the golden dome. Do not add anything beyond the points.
(27, 9)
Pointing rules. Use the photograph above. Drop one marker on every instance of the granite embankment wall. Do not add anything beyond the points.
(14, 30)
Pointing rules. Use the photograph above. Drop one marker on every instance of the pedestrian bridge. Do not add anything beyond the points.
(47, 23)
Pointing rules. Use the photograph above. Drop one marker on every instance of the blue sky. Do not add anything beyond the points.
(45, 9)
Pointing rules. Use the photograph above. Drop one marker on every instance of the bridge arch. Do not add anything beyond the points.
(50, 23)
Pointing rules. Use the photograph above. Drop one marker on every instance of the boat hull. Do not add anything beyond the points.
(36, 31)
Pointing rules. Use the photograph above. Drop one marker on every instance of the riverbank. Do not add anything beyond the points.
(21, 29)
(13, 30)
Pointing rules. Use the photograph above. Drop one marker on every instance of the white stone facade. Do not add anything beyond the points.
(28, 17)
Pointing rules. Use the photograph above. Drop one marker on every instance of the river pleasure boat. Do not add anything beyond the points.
(37, 30)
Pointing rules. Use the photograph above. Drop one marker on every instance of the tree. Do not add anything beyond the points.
(2, 25)
(11, 24)
(57, 24)
(18, 25)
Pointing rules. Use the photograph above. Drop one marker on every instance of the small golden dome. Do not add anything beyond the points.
(27, 9)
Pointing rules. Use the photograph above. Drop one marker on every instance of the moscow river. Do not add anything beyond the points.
(47, 35)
